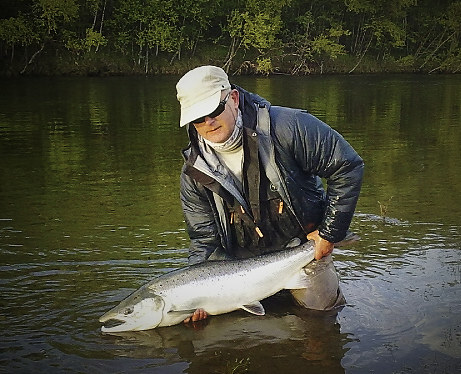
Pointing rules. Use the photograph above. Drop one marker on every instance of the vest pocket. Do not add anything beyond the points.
(275, 229)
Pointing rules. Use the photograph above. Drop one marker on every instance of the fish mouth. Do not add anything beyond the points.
(111, 324)
(110, 315)
(116, 325)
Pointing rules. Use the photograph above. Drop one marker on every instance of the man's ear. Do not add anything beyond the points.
(235, 98)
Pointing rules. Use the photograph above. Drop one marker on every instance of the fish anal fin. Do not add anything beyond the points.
(299, 280)
(254, 308)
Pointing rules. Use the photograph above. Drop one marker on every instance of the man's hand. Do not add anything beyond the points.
(198, 315)
(322, 246)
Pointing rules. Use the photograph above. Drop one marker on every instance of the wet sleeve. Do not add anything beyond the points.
(322, 151)
(200, 220)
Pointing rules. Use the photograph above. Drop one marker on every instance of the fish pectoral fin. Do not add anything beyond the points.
(254, 308)
(299, 280)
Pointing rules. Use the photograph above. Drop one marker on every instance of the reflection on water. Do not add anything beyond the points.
(277, 341)
(89, 211)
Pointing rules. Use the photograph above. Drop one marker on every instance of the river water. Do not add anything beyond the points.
(89, 211)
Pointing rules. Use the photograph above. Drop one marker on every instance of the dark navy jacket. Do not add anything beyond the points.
(296, 149)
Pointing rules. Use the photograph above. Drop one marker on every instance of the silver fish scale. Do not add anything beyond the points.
(224, 268)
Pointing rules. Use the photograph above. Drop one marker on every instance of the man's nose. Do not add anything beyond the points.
(209, 120)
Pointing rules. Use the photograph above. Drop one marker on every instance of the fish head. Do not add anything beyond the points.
(142, 310)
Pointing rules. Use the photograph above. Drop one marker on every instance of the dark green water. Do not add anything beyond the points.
(89, 211)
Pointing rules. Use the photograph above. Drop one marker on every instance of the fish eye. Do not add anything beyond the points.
(128, 311)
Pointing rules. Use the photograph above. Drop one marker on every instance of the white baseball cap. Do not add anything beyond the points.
(199, 92)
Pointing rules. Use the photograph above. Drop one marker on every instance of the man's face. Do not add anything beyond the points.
(218, 129)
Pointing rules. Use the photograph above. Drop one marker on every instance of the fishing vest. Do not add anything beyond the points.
(270, 225)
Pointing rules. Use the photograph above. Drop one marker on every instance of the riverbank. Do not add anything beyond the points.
(58, 62)
(123, 37)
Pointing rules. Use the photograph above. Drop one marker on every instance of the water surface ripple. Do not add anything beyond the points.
(89, 211)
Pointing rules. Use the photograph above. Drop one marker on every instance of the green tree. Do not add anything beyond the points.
(161, 25)
(314, 34)
(18, 31)
(37, 25)
(54, 13)
(442, 45)
(255, 26)
(379, 25)
(299, 36)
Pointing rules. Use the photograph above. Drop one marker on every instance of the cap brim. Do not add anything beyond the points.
(199, 109)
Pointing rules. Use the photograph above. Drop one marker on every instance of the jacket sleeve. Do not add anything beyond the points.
(200, 220)
(319, 150)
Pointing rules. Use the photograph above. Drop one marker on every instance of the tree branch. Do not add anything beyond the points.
(33, 58)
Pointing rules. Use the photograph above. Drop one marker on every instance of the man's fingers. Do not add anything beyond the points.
(198, 315)
(322, 252)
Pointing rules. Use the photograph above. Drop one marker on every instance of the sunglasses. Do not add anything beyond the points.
(216, 112)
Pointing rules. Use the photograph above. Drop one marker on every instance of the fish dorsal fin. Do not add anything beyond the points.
(299, 280)
(254, 308)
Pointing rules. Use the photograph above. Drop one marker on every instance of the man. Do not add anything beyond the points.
(251, 181)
